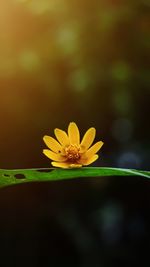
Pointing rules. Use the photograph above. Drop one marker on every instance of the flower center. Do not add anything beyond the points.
(72, 153)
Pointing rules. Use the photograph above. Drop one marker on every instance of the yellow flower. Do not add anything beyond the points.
(68, 151)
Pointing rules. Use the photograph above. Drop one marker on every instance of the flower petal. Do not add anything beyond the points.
(53, 156)
(88, 139)
(62, 137)
(90, 160)
(65, 165)
(93, 150)
(75, 166)
(52, 143)
(73, 133)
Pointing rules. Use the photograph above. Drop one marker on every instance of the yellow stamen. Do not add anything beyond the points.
(72, 153)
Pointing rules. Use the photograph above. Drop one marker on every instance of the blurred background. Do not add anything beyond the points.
(69, 60)
(85, 61)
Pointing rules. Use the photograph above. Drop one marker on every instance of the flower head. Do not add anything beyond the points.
(68, 152)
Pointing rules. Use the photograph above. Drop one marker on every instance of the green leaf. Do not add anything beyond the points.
(11, 177)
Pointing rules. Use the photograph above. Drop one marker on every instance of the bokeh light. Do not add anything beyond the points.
(83, 61)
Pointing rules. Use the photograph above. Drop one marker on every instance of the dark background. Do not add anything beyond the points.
(89, 222)
(88, 62)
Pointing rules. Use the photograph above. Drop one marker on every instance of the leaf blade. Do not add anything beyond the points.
(12, 177)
